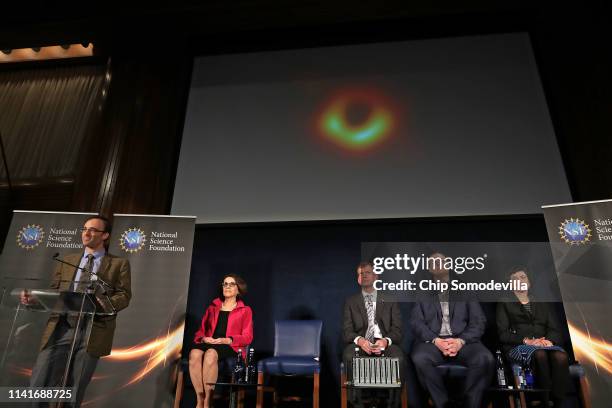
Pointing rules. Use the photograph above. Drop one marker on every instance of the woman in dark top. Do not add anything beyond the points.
(529, 328)
(227, 326)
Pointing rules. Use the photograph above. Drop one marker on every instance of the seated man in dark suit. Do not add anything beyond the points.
(370, 323)
(450, 331)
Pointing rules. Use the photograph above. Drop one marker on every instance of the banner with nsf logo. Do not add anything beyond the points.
(141, 370)
(34, 237)
(580, 235)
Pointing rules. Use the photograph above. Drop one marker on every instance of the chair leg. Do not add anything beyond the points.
(343, 391)
(523, 401)
(178, 395)
(585, 394)
(404, 395)
(240, 399)
(315, 391)
(260, 390)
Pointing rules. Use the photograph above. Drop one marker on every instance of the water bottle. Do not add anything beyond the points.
(521, 376)
(250, 376)
(239, 368)
(500, 370)
(529, 380)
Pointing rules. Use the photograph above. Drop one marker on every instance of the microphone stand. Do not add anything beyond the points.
(98, 281)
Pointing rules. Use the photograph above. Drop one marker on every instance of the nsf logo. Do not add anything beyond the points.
(132, 240)
(30, 236)
(575, 231)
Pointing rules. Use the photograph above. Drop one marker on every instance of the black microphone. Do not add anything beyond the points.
(55, 257)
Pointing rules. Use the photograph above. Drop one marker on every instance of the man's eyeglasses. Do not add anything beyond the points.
(228, 284)
(90, 230)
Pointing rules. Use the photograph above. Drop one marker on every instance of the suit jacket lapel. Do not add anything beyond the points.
(435, 300)
(380, 305)
(362, 309)
(104, 265)
(70, 273)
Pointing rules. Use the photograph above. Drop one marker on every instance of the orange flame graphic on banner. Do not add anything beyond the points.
(596, 350)
(157, 352)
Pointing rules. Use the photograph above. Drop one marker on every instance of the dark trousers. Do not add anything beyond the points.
(475, 356)
(551, 371)
(51, 362)
(356, 396)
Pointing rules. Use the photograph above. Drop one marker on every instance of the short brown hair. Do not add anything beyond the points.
(517, 268)
(240, 283)
(363, 264)
(108, 227)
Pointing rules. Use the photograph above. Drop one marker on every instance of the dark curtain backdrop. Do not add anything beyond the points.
(100, 134)
(46, 114)
(50, 112)
(306, 270)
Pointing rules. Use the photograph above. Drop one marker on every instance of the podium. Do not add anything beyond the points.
(32, 313)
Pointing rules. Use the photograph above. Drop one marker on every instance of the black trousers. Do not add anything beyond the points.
(475, 356)
(551, 370)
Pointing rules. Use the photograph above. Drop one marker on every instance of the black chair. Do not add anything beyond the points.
(452, 371)
(577, 373)
(344, 396)
(226, 368)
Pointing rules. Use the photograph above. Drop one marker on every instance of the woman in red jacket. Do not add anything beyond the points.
(226, 327)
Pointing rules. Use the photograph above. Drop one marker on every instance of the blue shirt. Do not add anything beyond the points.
(98, 255)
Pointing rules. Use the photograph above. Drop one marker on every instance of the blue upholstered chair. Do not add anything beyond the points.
(297, 346)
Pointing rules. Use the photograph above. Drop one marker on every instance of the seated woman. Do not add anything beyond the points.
(226, 327)
(527, 330)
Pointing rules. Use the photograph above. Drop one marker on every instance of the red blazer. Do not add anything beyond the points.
(239, 325)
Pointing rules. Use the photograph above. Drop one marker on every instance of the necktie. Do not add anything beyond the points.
(81, 286)
(369, 301)
(85, 277)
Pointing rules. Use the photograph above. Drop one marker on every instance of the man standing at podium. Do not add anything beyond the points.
(58, 335)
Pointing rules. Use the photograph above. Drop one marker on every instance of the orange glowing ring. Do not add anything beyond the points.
(334, 124)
